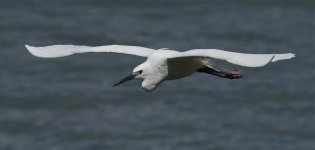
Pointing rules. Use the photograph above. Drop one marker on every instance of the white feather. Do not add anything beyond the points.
(66, 50)
(241, 59)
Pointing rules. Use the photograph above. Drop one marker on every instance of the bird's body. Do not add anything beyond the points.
(184, 67)
(164, 64)
(158, 67)
(173, 69)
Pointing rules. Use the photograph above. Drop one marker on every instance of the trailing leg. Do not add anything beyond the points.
(232, 74)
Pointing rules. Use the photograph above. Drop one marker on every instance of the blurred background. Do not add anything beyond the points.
(69, 103)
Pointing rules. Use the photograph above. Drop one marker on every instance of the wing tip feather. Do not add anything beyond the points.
(31, 49)
(277, 57)
(48, 51)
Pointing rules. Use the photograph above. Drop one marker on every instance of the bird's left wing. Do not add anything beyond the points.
(241, 59)
(66, 50)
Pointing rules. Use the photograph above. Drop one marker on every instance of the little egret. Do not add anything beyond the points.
(165, 64)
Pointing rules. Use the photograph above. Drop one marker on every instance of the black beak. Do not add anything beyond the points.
(129, 77)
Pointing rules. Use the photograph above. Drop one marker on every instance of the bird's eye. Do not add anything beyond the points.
(140, 72)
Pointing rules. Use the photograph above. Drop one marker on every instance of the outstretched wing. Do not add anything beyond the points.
(66, 50)
(241, 59)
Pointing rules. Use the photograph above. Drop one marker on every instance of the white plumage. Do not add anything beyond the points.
(165, 64)
(66, 50)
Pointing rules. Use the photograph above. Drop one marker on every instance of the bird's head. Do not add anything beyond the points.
(138, 73)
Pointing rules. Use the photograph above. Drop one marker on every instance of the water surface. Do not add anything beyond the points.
(69, 103)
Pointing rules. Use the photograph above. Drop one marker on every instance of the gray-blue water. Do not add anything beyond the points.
(69, 103)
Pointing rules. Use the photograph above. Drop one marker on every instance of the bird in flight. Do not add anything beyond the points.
(164, 64)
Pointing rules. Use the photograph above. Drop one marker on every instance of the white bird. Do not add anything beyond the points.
(165, 64)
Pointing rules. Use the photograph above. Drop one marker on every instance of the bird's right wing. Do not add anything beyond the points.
(241, 59)
(66, 50)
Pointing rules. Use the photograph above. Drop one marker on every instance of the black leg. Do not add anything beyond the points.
(232, 74)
